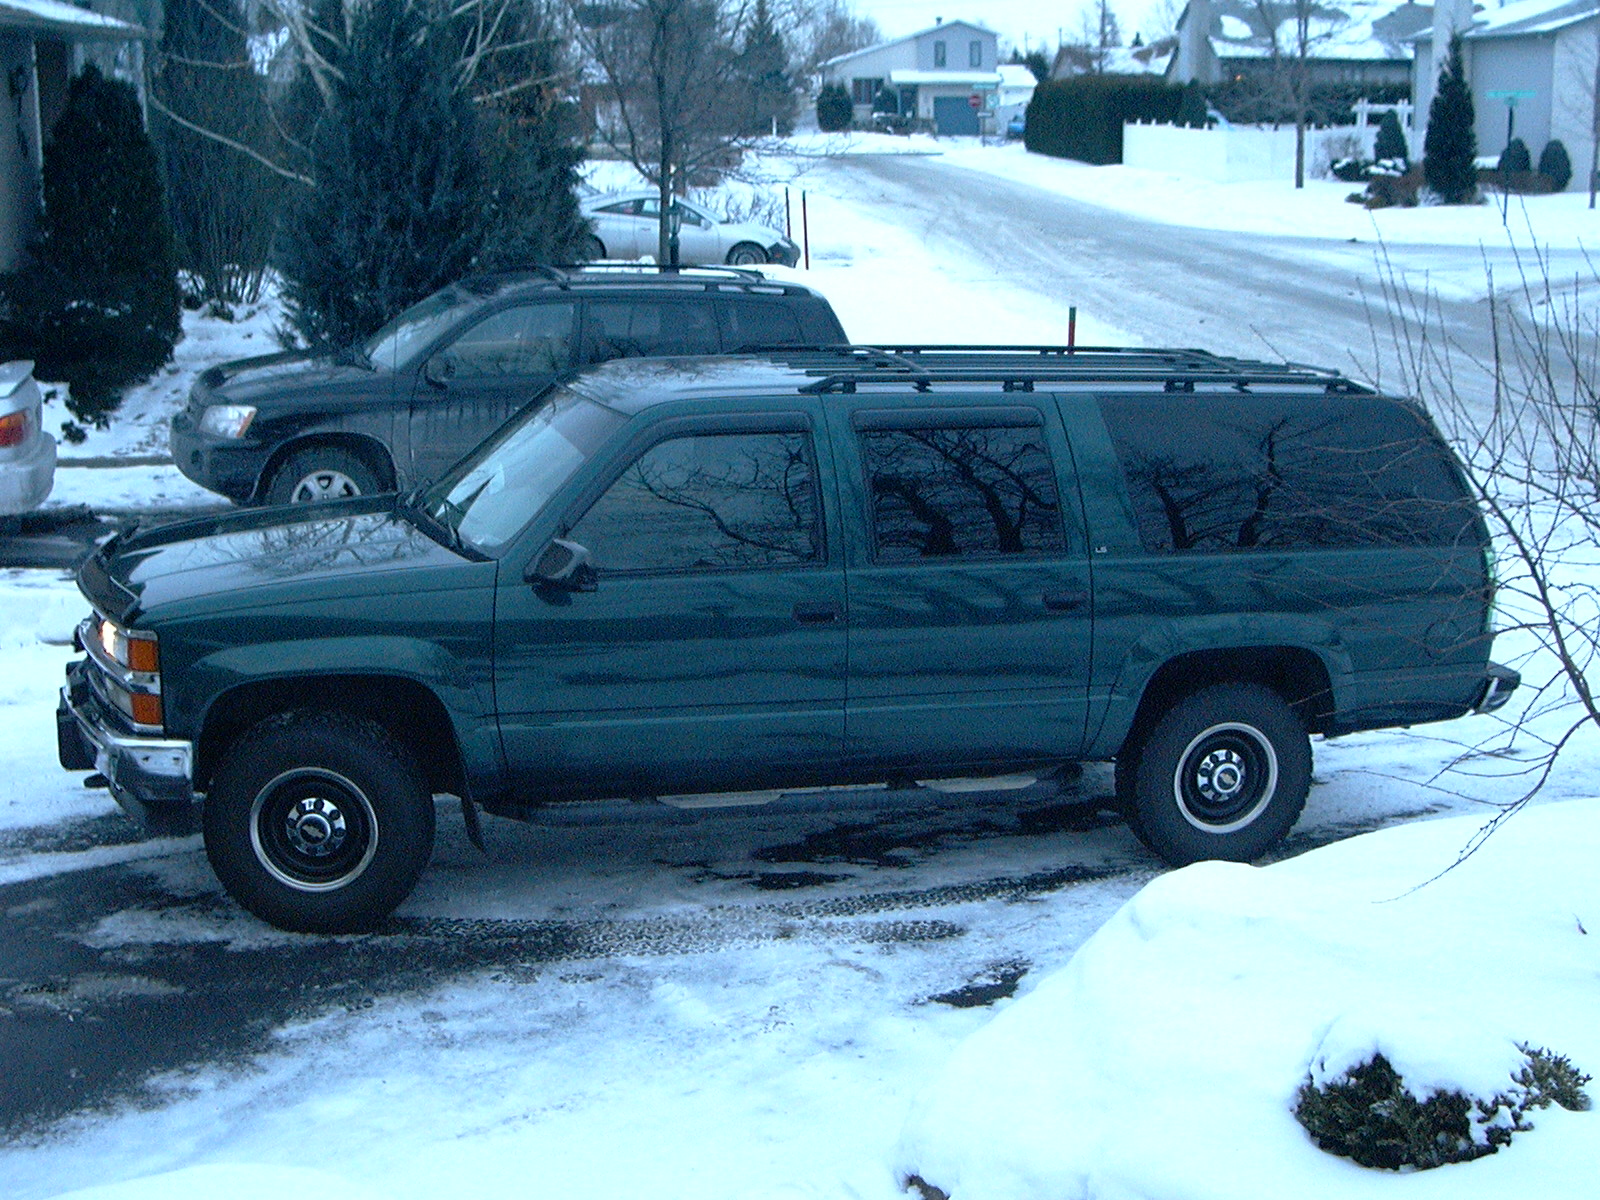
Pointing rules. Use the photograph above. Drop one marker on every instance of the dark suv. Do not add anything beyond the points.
(444, 374)
(829, 567)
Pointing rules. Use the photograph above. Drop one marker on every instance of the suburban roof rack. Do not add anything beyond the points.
(689, 270)
(1020, 368)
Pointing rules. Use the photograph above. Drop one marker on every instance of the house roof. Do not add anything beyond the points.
(66, 20)
(1351, 30)
(1532, 17)
(910, 37)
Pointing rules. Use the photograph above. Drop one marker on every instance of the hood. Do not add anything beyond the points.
(258, 380)
(260, 557)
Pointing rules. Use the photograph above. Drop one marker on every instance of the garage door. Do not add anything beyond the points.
(953, 116)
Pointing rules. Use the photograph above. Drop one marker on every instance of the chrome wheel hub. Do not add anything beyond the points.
(315, 827)
(324, 485)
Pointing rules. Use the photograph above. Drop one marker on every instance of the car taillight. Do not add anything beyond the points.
(13, 428)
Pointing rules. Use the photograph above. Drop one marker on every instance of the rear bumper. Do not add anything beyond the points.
(26, 481)
(152, 778)
(1499, 682)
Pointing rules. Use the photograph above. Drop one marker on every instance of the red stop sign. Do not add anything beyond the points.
(975, 100)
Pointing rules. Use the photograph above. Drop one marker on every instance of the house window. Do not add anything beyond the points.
(974, 54)
(938, 54)
(865, 91)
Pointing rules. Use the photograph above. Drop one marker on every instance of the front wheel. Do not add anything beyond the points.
(593, 249)
(746, 254)
(318, 822)
(1221, 774)
(321, 473)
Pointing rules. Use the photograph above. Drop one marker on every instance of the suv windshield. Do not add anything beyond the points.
(419, 326)
(493, 492)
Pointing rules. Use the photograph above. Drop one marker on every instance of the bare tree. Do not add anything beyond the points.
(670, 68)
(1291, 33)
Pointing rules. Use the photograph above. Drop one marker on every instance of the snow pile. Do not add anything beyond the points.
(1164, 1061)
(236, 1182)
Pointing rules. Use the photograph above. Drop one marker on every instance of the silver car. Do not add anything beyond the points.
(27, 452)
(626, 223)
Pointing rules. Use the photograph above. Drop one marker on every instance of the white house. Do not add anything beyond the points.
(1531, 69)
(43, 43)
(1359, 42)
(946, 76)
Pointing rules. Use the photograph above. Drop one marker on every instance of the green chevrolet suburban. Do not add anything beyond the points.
(811, 567)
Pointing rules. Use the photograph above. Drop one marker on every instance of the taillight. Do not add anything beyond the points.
(13, 428)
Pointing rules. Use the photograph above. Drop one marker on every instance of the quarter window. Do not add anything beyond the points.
(1215, 473)
(939, 493)
(709, 502)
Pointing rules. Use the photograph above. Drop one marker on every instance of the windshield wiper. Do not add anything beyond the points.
(410, 506)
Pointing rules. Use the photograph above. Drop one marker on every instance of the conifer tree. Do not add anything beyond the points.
(96, 302)
(1192, 106)
(834, 110)
(395, 211)
(1391, 140)
(1450, 150)
(1555, 164)
(763, 72)
(1515, 158)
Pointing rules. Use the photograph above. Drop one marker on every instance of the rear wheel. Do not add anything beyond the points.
(318, 822)
(593, 249)
(321, 473)
(746, 254)
(1222, 774)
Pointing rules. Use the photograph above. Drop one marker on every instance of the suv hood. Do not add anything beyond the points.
(259, 557)
(260, 379)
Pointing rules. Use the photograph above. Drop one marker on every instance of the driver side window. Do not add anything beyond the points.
(533, 339)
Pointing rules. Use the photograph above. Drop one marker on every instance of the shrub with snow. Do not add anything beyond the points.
(1369, 1114)
(1515, 157)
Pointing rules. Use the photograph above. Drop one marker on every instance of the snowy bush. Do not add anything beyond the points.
(1350, 170)
(1391, 140)
(1370, 1115)
(1515, 157)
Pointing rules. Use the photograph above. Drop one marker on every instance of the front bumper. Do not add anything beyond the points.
(26, 481)
(152, 778)
(784, 252)
(228, 466)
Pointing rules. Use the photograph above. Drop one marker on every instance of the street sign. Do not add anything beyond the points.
(975, 100)
(1510, 95)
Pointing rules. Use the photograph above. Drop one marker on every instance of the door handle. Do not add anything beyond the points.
(818, 613)
(1067, 600)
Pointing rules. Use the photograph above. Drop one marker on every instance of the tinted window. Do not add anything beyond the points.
(533, 339)
(761, 323)
(978, 491)
(708, 501)
(1216, 473)
(641, 327)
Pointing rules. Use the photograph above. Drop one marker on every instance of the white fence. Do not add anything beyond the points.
(1241, 152)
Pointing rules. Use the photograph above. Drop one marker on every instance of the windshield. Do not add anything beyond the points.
(491, 494)
(398, 342)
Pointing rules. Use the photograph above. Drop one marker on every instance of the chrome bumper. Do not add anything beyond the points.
(1497, 688)
(153, 778)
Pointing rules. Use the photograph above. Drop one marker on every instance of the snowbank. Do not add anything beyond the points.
(1165, 1059)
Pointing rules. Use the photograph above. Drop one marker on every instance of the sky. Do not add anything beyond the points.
(1013, 20)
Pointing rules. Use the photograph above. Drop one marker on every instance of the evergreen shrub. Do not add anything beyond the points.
(1370, 1116)
(1450, 150)
(1192, 106)
(1515, 157)
(1081, 118)
(834, 110)
(95, 303)
(1555, 165)
(1391, 139)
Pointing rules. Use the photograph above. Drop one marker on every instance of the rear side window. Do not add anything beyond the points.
(750, 323)
(960, 492)
(1222, 473)
(645, 327)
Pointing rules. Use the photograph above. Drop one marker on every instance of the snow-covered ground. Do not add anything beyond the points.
(1159, 1060)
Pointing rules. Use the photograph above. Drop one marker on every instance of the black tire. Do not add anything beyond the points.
(318, 822)
(593, 249)
(1223, 774)
(321, 473)
(746, 254)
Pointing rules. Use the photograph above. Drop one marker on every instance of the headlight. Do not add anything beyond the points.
(227, 420)
(130, 649)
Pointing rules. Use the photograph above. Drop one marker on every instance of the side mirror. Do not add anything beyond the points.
(440, 369)
(565, 565)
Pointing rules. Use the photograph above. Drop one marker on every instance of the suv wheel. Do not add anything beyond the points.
(321, 473)
(1222, 774)
(746, 254)
(318, 822)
